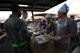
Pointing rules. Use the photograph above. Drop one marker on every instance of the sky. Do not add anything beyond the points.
(4, 15)
(74, 7)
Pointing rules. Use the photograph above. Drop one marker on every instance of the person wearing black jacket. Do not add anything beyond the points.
(16, 29)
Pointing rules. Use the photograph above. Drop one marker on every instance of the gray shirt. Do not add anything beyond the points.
(64, 27)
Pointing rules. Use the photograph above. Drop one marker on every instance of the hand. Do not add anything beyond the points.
(57, 38)
(3, 35)
(50, 37)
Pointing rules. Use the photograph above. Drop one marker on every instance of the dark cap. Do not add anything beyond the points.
(14, 7)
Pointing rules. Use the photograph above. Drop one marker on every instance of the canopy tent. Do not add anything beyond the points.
(73, 7)
(36, 5)
(30, 5)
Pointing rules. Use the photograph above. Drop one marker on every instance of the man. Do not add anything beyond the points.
(50, 25)
(73, 17)
(65, 28)
(24, 16)
(16, 30)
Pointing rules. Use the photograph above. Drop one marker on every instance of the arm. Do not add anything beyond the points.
(68, 36)
(22, 27)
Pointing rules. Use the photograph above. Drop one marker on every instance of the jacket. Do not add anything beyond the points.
(16, 29)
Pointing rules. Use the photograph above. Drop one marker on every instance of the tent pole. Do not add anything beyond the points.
(32, 14)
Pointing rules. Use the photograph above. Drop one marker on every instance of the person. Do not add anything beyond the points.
(24, 16)
(72, 16)
(65, 28)
(50, 24)
(43, 24)
(1, 28)
(16, 30)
